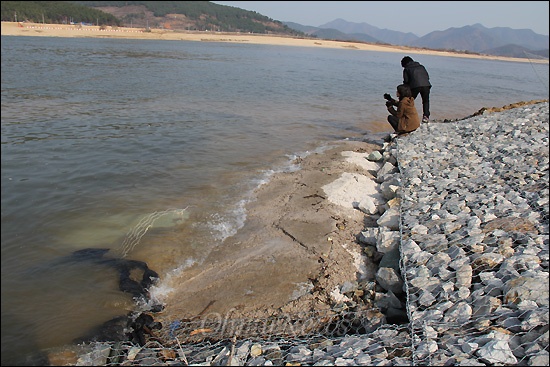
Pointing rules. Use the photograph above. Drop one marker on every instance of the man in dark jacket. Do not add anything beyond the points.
(417, 78)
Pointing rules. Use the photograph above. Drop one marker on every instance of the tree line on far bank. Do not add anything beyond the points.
(55, 12)
(199, 15)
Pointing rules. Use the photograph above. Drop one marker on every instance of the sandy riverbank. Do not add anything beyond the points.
(300, 230)
(60, 30)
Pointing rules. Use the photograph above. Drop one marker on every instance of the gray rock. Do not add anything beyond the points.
(389, 279)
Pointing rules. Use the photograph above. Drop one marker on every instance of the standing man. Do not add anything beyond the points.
(417, 78)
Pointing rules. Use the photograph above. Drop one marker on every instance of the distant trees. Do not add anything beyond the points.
(203, 15)
(206, 15)
(55, 12)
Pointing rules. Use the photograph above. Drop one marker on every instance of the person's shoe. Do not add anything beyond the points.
(425, 119)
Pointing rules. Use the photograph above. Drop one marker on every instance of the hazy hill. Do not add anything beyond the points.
(477, 38)
(331, 33)
(474, 38)
(382, 35)
(466, 38)
(517, 51)
(307, 29)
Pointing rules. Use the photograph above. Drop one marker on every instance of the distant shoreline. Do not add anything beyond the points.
(78, 31)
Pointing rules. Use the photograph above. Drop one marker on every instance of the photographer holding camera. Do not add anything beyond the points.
(405, 119)
(389, 100)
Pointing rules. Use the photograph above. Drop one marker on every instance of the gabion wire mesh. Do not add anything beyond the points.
(474, 240)
(321, 339)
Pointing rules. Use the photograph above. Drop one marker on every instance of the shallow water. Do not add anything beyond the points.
(152, 149)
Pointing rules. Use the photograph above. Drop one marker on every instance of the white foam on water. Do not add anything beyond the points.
(227, 225)
(224, 226)
(161, 290)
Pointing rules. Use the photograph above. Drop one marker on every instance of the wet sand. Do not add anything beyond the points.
(298, 245)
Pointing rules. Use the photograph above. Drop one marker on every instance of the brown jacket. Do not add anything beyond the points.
(407, 115)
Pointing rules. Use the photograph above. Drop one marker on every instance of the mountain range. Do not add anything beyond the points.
(499, 41)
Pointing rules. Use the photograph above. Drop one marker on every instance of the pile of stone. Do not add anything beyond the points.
(474, 244)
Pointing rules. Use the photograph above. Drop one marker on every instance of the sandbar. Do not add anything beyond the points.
(75, 31)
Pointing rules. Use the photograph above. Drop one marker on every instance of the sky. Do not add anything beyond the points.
(418, 17)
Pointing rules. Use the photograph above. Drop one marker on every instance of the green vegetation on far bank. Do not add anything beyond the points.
(176, 15)
(54, 12)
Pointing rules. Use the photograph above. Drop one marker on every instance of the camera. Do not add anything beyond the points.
(389, 100)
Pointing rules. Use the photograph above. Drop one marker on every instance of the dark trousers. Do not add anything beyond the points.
(425, 95)
(394, 122)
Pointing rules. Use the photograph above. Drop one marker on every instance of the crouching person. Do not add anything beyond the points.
(405, 119)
